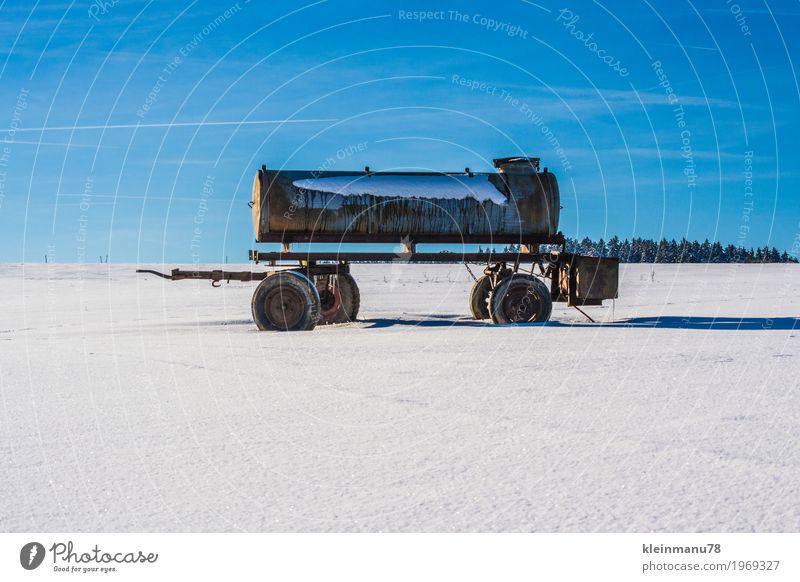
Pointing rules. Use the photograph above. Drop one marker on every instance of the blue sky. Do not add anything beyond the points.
(659, 118)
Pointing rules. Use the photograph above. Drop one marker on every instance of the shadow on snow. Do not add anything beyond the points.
(710, 323)
(664, 322)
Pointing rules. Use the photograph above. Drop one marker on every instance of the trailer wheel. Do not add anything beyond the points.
(479, 298)
(286, 301)
(340, 301)
(521, 298)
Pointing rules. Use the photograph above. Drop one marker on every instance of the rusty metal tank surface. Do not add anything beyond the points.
(519, 204)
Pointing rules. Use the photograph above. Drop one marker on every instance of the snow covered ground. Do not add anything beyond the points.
(129, 403)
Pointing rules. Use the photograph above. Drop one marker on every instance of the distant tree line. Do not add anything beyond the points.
(644, 250)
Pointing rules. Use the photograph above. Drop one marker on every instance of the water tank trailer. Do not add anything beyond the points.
(517, 206)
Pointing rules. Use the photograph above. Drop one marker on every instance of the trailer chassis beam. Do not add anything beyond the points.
(325, 263)
(274, 258)
(216, 276)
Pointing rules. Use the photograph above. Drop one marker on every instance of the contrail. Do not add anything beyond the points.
(179, 124)
(50, 143)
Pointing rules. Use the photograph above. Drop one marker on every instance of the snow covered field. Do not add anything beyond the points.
(129, 403)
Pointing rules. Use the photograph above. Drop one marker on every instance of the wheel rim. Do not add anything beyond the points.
(521, 303)
(284, 307)
(330, 300)
(479, 299)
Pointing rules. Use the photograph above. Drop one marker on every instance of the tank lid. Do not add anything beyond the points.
(516, 161)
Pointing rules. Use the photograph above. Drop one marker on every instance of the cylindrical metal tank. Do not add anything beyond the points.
(519, 204)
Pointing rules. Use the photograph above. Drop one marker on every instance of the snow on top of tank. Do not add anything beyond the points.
(435, 186)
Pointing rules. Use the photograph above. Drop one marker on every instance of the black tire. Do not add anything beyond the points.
(479, 298)
(521, 298)
(286, 301)
(339, 305)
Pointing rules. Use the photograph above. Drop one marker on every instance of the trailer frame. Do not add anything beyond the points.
(575, 279)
